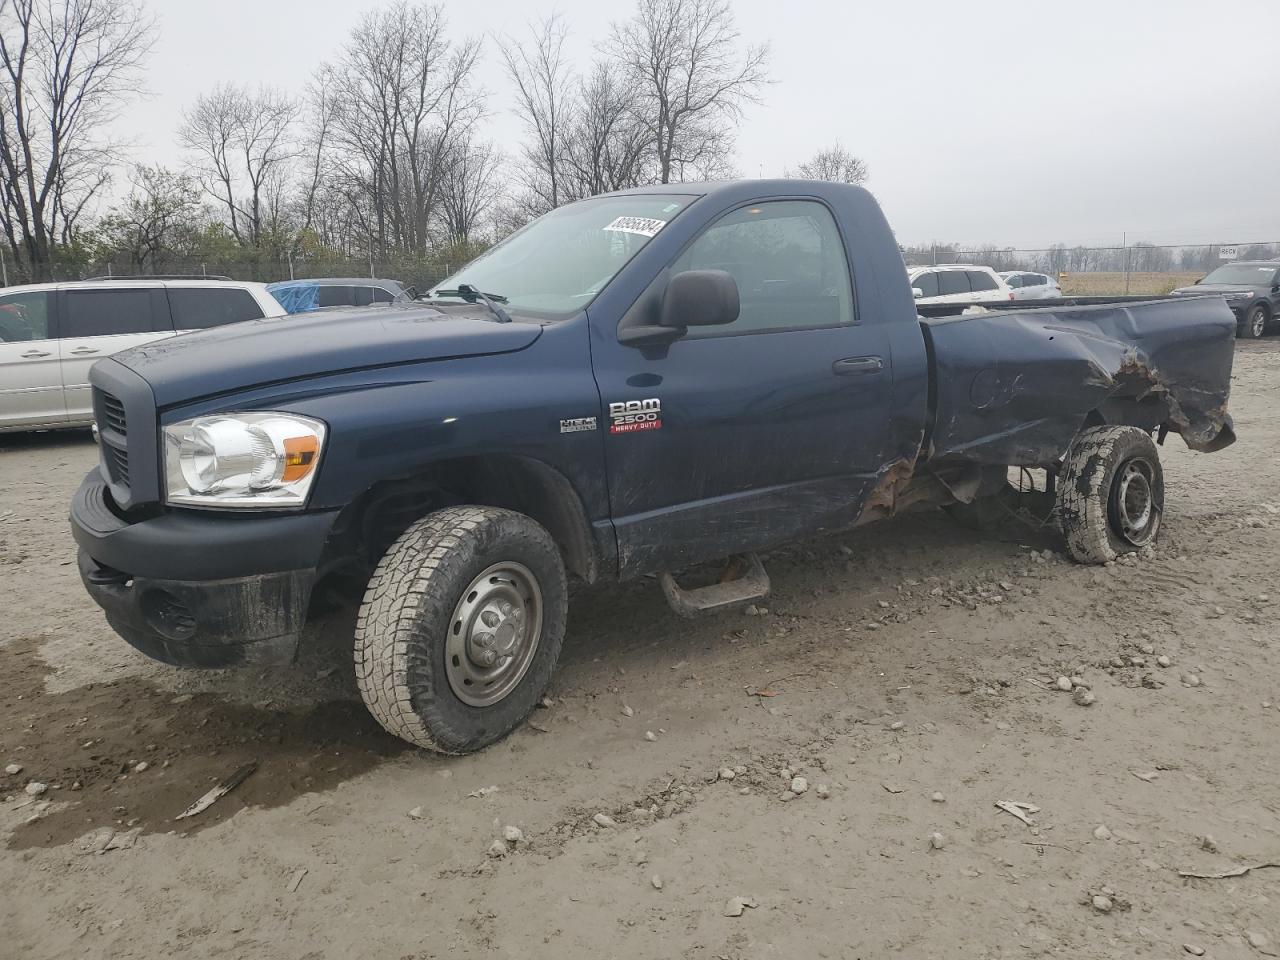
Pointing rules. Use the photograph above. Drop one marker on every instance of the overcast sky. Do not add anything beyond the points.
(1016, 123)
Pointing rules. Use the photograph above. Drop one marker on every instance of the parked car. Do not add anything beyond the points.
(302, 296)
(632, 384)
(1251, 289)
(1031, 286)
(957, 283)
(51, 334)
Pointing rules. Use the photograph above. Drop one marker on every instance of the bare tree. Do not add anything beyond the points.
(69, 67)
(244, 141)
(608, 146)
(835, 164)
(692, 76)
(545, 104)
(161, 204)
(469, 191)
(404, 97)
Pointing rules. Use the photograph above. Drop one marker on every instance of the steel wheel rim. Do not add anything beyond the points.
(493, 634)
(1134, 511)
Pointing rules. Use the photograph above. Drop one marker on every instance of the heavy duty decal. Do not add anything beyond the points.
(577, 424)
(631, 416)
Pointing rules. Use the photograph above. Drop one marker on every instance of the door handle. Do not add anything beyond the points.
(83, 351)
(35, 354)
(855, 365)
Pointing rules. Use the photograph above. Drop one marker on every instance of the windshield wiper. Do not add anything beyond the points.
(470, 294)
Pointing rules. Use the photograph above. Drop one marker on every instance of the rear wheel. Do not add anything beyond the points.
(1255, 323)
(1110, 493)
(461, 627)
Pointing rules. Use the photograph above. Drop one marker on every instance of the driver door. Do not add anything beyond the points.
(30, 379)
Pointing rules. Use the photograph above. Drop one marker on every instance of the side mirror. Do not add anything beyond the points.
(700, 298)
(917, 292)
(695, 298)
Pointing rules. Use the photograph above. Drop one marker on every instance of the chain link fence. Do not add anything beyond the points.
(1137, 268)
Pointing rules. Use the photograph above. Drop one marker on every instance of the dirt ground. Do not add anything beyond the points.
(1100, 284)
(906, 671)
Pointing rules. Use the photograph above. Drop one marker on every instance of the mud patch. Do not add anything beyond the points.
(86, 745)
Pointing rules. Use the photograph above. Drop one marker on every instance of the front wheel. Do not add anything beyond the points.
(1110, 493)
(1255, 323)
(461, 627)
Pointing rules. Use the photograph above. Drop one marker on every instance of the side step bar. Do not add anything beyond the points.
(744, 581)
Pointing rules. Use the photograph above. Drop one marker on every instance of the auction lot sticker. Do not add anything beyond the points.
(645, 226)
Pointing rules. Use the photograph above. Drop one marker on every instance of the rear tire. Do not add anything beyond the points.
(1254, 326)
(1110, 493)
(461, 627)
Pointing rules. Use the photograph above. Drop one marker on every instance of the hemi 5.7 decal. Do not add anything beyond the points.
(632, 416)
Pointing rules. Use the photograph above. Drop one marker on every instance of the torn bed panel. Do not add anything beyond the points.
(1016, 387)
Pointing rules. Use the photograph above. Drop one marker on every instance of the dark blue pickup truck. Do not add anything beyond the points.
(639, 383)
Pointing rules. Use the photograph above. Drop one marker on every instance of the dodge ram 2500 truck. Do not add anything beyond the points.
(638, 383)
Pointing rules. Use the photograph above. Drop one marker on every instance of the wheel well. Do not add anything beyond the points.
(370, 524)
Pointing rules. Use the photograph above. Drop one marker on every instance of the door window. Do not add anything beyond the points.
(982, 282)
(102, 313)
(951, 282)
(788, 261)
(1015, 280)
(196, 308)
(382, 296)
(333, 295)
(24, 316)
(927, 284)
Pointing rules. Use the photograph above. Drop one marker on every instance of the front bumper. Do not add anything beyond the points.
(200, 589)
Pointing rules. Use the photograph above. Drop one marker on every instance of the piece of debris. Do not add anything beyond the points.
(497, 850)
(604, 820)
(764, 692)
(1102, 904)
(141, 767)
(823, 791)
(1192, 949)
(1064, 684)
(1260, 942)
(218, 792)
(1208, 844)
(546, 703)
(892, 788)
(1018, 809)
(897, 725)
(1190, 680)
(95, 841)
(512, 834)
(1146, 776)
(296, 880)
(540, 727)
(483, 792)
(937, 841)
(650, 736)
(627, 711)
(123, 841)
(938, 797)
(1084, 697)
(416, 814)
(734, 906)
(13, 769)
(35, 788)
(1238, 872)
(799, 785)
(656, 881)
(1164, 661)
(1101, 833)
(726, 773)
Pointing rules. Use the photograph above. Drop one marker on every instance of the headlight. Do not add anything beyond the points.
(265, 460)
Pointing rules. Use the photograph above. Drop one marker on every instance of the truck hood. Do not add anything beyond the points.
(281, 349)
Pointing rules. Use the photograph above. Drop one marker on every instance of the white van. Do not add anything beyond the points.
(51, 333)
(957, 283)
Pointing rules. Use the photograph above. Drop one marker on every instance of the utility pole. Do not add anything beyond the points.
(1124, 242)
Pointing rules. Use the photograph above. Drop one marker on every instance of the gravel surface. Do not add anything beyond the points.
(908, 663)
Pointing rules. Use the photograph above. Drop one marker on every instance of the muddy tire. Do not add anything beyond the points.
(461, 627)
(1110, 493)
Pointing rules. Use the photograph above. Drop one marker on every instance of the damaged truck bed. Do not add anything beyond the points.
(634, 384)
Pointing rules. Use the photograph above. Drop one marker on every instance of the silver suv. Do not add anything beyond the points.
(51, 333)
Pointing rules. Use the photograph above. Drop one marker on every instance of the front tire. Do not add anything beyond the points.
(461, 627)
(1110, 493)
(1254, 326)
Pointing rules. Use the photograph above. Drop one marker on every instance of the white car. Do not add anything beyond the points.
(1032, 286)
(52, 333)
(957, 283)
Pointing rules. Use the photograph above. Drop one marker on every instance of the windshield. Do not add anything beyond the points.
(1254, 274)
(556, 265)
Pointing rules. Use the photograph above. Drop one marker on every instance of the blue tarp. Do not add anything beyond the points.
(296, 296)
